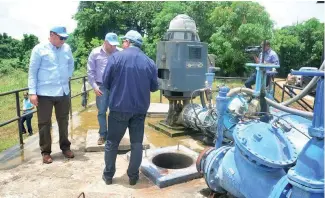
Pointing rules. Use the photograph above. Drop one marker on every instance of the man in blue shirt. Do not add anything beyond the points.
(270, 57)
(27, 108)
(130, 76)
(51, 67)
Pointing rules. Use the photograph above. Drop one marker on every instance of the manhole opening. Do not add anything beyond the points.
(172, 160)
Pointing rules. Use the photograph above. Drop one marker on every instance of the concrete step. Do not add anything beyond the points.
(92, 146)
(158, 110)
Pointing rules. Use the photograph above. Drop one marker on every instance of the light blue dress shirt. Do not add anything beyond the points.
(27, 105)
(50, 69)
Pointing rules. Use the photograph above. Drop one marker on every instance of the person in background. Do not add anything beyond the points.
(270, 57)
(27, 108)
(51, 67)
(97, 62)
(130, 76)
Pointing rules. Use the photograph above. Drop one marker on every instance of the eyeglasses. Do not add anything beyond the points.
(61, 38)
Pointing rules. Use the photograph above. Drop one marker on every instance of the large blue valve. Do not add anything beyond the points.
(306, 179)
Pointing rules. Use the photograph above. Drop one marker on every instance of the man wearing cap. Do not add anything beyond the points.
(97, 62)
(51, 66)
(130, 75)
(270, 57)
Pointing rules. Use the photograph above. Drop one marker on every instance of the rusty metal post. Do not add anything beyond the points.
(70, 98)
(282, 97)
(21, 141)
(85, 90)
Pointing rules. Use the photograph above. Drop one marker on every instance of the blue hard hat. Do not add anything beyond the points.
(60, 30)
(133, 36)
(112, 38)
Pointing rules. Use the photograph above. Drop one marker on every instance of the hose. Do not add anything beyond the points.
(306, 90)
(288, 109)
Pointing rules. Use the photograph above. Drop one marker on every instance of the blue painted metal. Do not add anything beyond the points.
(221, 101)
(260, 75)
(294, 127)
(254, 165)
(306, 179)
(209, 78)
(256, 139)
(308, 73)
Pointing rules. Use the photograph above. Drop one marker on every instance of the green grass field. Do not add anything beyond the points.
(17, 80)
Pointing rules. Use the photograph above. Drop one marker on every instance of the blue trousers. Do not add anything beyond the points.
(102, 105)
(117, 124)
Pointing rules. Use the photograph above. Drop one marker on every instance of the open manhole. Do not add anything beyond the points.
(172, 161)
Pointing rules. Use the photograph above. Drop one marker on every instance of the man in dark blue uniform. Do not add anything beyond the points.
(130, 76)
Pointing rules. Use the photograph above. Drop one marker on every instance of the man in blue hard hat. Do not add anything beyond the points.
(97, 62)
(130, 76)
(51, 67)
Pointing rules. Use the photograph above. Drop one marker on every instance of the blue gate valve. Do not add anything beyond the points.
(306, 178)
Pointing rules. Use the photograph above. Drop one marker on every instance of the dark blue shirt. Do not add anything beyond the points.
(130, 76)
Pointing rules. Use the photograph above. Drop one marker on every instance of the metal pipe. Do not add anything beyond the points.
(70, 108)
(85, 90)
(19, 120)
(221, 101)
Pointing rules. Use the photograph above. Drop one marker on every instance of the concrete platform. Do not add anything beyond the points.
(169, 165)
(92, 137)
(158, 110)
(170, 132)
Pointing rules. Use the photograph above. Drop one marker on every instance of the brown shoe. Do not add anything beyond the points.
(68, 154)
(100, 141)
(47, 159)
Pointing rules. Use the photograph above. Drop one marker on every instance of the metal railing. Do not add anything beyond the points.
(290, 91)
(19, 116)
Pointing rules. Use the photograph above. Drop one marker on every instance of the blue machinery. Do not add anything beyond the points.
(265, 160)
(260, 151)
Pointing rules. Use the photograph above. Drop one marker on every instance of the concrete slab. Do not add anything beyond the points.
(170, 132)
(158, 110)
(169, 165)
(92, 137)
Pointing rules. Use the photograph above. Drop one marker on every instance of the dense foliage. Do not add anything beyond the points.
(228, 27)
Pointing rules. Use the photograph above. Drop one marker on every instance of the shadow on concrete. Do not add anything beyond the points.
(79, 156)
(142, 183)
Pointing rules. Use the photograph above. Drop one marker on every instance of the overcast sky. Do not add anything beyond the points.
(18, 17)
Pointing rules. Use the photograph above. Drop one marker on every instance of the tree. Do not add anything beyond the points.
(299, 45)
(236, 26)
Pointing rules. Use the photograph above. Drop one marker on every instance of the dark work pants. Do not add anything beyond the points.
(28, 120)
(117, 124)
(61, 105)
(252, 79)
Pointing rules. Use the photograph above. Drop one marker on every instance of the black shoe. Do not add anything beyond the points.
(30, 134)
(107, 181)
(133, 182)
